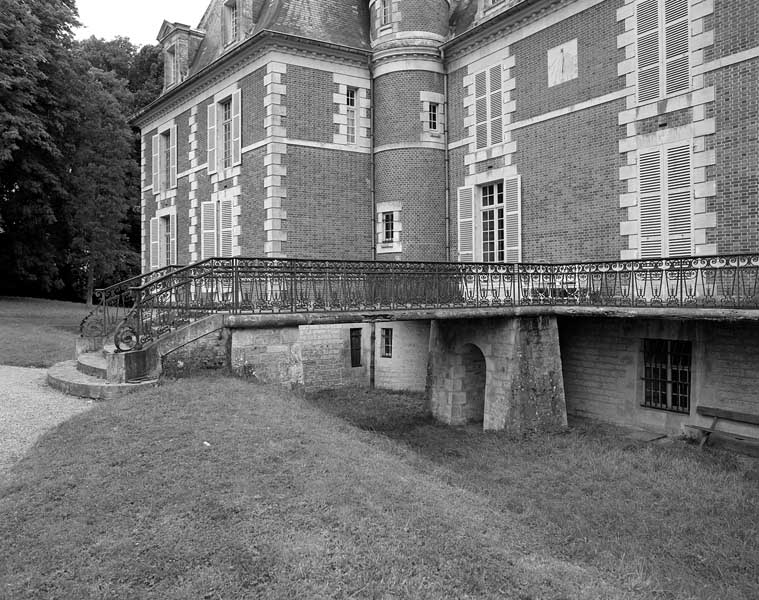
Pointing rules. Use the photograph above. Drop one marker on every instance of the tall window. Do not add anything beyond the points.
(172, 70)
(164, 163)
(165, 142)
(432, 121)
(388, 227)
(355, 340)
(488, 107)
(493, 230)
(231, 21)
(226, 133)
(384, 10)
(216, 228)
(387, 342)
(350, 103)
(666, 220)
(163, 240)
(663, 36)
(667, 375)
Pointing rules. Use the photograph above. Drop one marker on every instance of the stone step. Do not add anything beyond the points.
(92, 364)
(66, 378)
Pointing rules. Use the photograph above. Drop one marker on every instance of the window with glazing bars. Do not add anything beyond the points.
(493, 231)
(350, 103)
(387, 342)
(226, 133)
(432, 121)
(384, 10)
(355, 347)
(388, 227)
(667, 374)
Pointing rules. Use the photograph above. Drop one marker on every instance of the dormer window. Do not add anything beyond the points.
(231, 22)
(172, 69)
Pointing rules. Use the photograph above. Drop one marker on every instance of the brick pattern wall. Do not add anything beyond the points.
(457, 131)
(397, 105)
(425, 15)
(570, 208)
(736, 145)
(329, 211)
(415, 177)
(596, 32)
(736, 28)
(183, 141)
(309, 104)
(183, 221)
(253, 111)
(252, 213)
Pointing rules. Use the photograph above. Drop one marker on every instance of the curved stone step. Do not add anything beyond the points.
(66, 378)
(92, 364)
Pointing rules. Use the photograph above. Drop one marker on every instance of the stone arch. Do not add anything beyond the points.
(473, 380)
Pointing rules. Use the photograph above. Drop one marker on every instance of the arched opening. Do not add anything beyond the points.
(473, 383)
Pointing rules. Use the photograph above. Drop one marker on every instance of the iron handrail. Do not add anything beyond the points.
(256, 285)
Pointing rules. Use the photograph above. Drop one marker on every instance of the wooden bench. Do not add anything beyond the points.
(727, 415)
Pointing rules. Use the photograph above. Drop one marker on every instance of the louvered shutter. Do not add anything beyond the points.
(676, 46)
(481, 109)
(466, 224)
(208, 230)
(156, 164)
(173, 157)
(211, 138)
(225, 229)
(236, 127)
(679, 205)
(650, 198)
(155, 244)
(173, 239)
(496, 105)
(649, 70)
(513, 207)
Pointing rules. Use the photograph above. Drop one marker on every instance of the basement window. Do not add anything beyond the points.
(387, 342)
(667, 375)
(355, 347)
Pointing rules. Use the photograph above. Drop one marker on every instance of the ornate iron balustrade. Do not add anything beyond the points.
(259, 285)
(114, 302)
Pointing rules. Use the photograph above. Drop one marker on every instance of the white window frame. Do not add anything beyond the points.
(164, 163)
(216, 140)
(383, 244)
(217, 227)
(231, 22)
(351, 115)
(162, 243)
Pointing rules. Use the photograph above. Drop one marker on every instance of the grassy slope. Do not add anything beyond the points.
(38, 333)
(221, 489)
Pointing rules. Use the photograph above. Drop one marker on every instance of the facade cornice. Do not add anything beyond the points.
(241, 55)
(499, 25)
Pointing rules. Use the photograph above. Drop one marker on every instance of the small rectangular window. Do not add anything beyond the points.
(388, 227)
(432, 121)
(667, 374)
(384, 8)
(231, 21)
(355, 338)
(387, 342)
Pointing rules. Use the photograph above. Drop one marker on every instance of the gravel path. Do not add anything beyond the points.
(28, 408)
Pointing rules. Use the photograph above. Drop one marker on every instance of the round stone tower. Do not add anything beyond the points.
(409, 128)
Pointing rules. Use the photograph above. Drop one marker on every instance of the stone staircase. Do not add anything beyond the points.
(87, 377)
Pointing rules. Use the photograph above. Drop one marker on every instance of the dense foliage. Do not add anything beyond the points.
(69, 159)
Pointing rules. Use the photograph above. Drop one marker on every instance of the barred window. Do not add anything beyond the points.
(387, 342)
(667, 374)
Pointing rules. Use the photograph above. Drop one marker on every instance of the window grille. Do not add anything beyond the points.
(667, 375)
(355, 340)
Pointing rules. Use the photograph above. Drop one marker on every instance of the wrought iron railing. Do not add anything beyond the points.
(259, 285)
(114, 302)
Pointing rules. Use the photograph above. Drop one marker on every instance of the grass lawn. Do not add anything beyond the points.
(217, 488)
(36, 332)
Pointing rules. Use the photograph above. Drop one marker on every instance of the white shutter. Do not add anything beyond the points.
(676, 46)
(211, 138)
(156, 164)
(225, 228)
(466, 224)
(649, 70)
(512, 194)
(207, 230)
(679, 205)
(236, 127)
(173, 242)
(173, 157)
(155, 244)
(496, 105)
(481, 109)
(650, 198)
